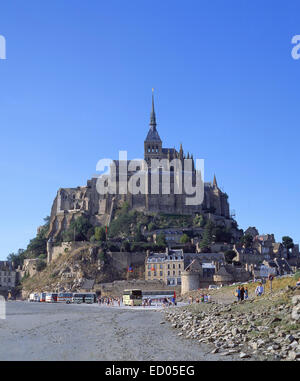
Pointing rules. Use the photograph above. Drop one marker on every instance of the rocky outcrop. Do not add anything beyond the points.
(269, 331)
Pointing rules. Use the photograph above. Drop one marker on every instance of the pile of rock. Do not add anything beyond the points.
(255, 334)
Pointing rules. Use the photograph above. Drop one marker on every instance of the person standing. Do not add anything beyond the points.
(242, 293)
(259, 289)
(246, 293)
(238, 293)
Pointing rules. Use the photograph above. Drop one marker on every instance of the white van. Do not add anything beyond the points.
(34, 297)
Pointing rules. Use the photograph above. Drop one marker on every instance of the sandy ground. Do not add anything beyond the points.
(41, 331)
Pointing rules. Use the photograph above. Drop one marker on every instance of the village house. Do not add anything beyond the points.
(166, 267)
(8, 277)
(169, 266)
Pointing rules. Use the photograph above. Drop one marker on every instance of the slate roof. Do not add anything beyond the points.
(152, 135)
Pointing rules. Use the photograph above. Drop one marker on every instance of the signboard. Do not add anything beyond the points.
(265, 271)
(208, 266)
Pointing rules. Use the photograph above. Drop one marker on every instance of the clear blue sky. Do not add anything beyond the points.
(76, 87)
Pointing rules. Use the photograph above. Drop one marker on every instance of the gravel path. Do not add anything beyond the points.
(40, 331)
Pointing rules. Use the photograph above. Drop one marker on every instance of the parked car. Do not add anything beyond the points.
(213, 287)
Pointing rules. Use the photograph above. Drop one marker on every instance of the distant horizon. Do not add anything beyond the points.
(76, 87)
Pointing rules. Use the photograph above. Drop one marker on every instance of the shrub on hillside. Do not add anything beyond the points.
(40, 265)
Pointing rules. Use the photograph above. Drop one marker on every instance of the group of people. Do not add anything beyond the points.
(204, 298)
(241, 293)
(109, 301)
(166, 302)
(147, 302)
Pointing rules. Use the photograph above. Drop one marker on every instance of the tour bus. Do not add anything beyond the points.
(51, 297)
(42, 297)
(34, 297)
(65, 297)
(80, 297)
(158, 295)
(132, 297)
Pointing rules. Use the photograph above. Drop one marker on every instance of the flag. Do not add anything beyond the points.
(174, 294)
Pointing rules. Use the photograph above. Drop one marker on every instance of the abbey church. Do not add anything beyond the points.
(99, 208)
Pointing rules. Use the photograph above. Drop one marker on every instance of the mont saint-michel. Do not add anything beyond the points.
(99, 209)
(118, 249)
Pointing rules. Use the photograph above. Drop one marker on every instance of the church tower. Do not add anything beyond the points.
(152, 143)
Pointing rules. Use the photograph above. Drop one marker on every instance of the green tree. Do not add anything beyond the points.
(207, 239)
(222, 234)
(125, 247)
(17, 258)
(229, 255)
(199, 220)
(100, 234)
(246, 240)
(151, 226)
(121, 224)
(40, 265)
(80, 230)
(184, 239)
(288, 244)
(102, 256)
(161, 240)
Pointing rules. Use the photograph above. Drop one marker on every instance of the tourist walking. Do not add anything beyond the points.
(259, 290)
(246, 293)
(238, 293)
(242, 293)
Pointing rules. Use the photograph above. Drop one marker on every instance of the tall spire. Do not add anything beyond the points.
(215, 182)
(180, 152)
(152, 115)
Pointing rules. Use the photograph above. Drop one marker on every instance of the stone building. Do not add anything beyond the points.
(99, 208)
(8, 276)
(166, 267)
